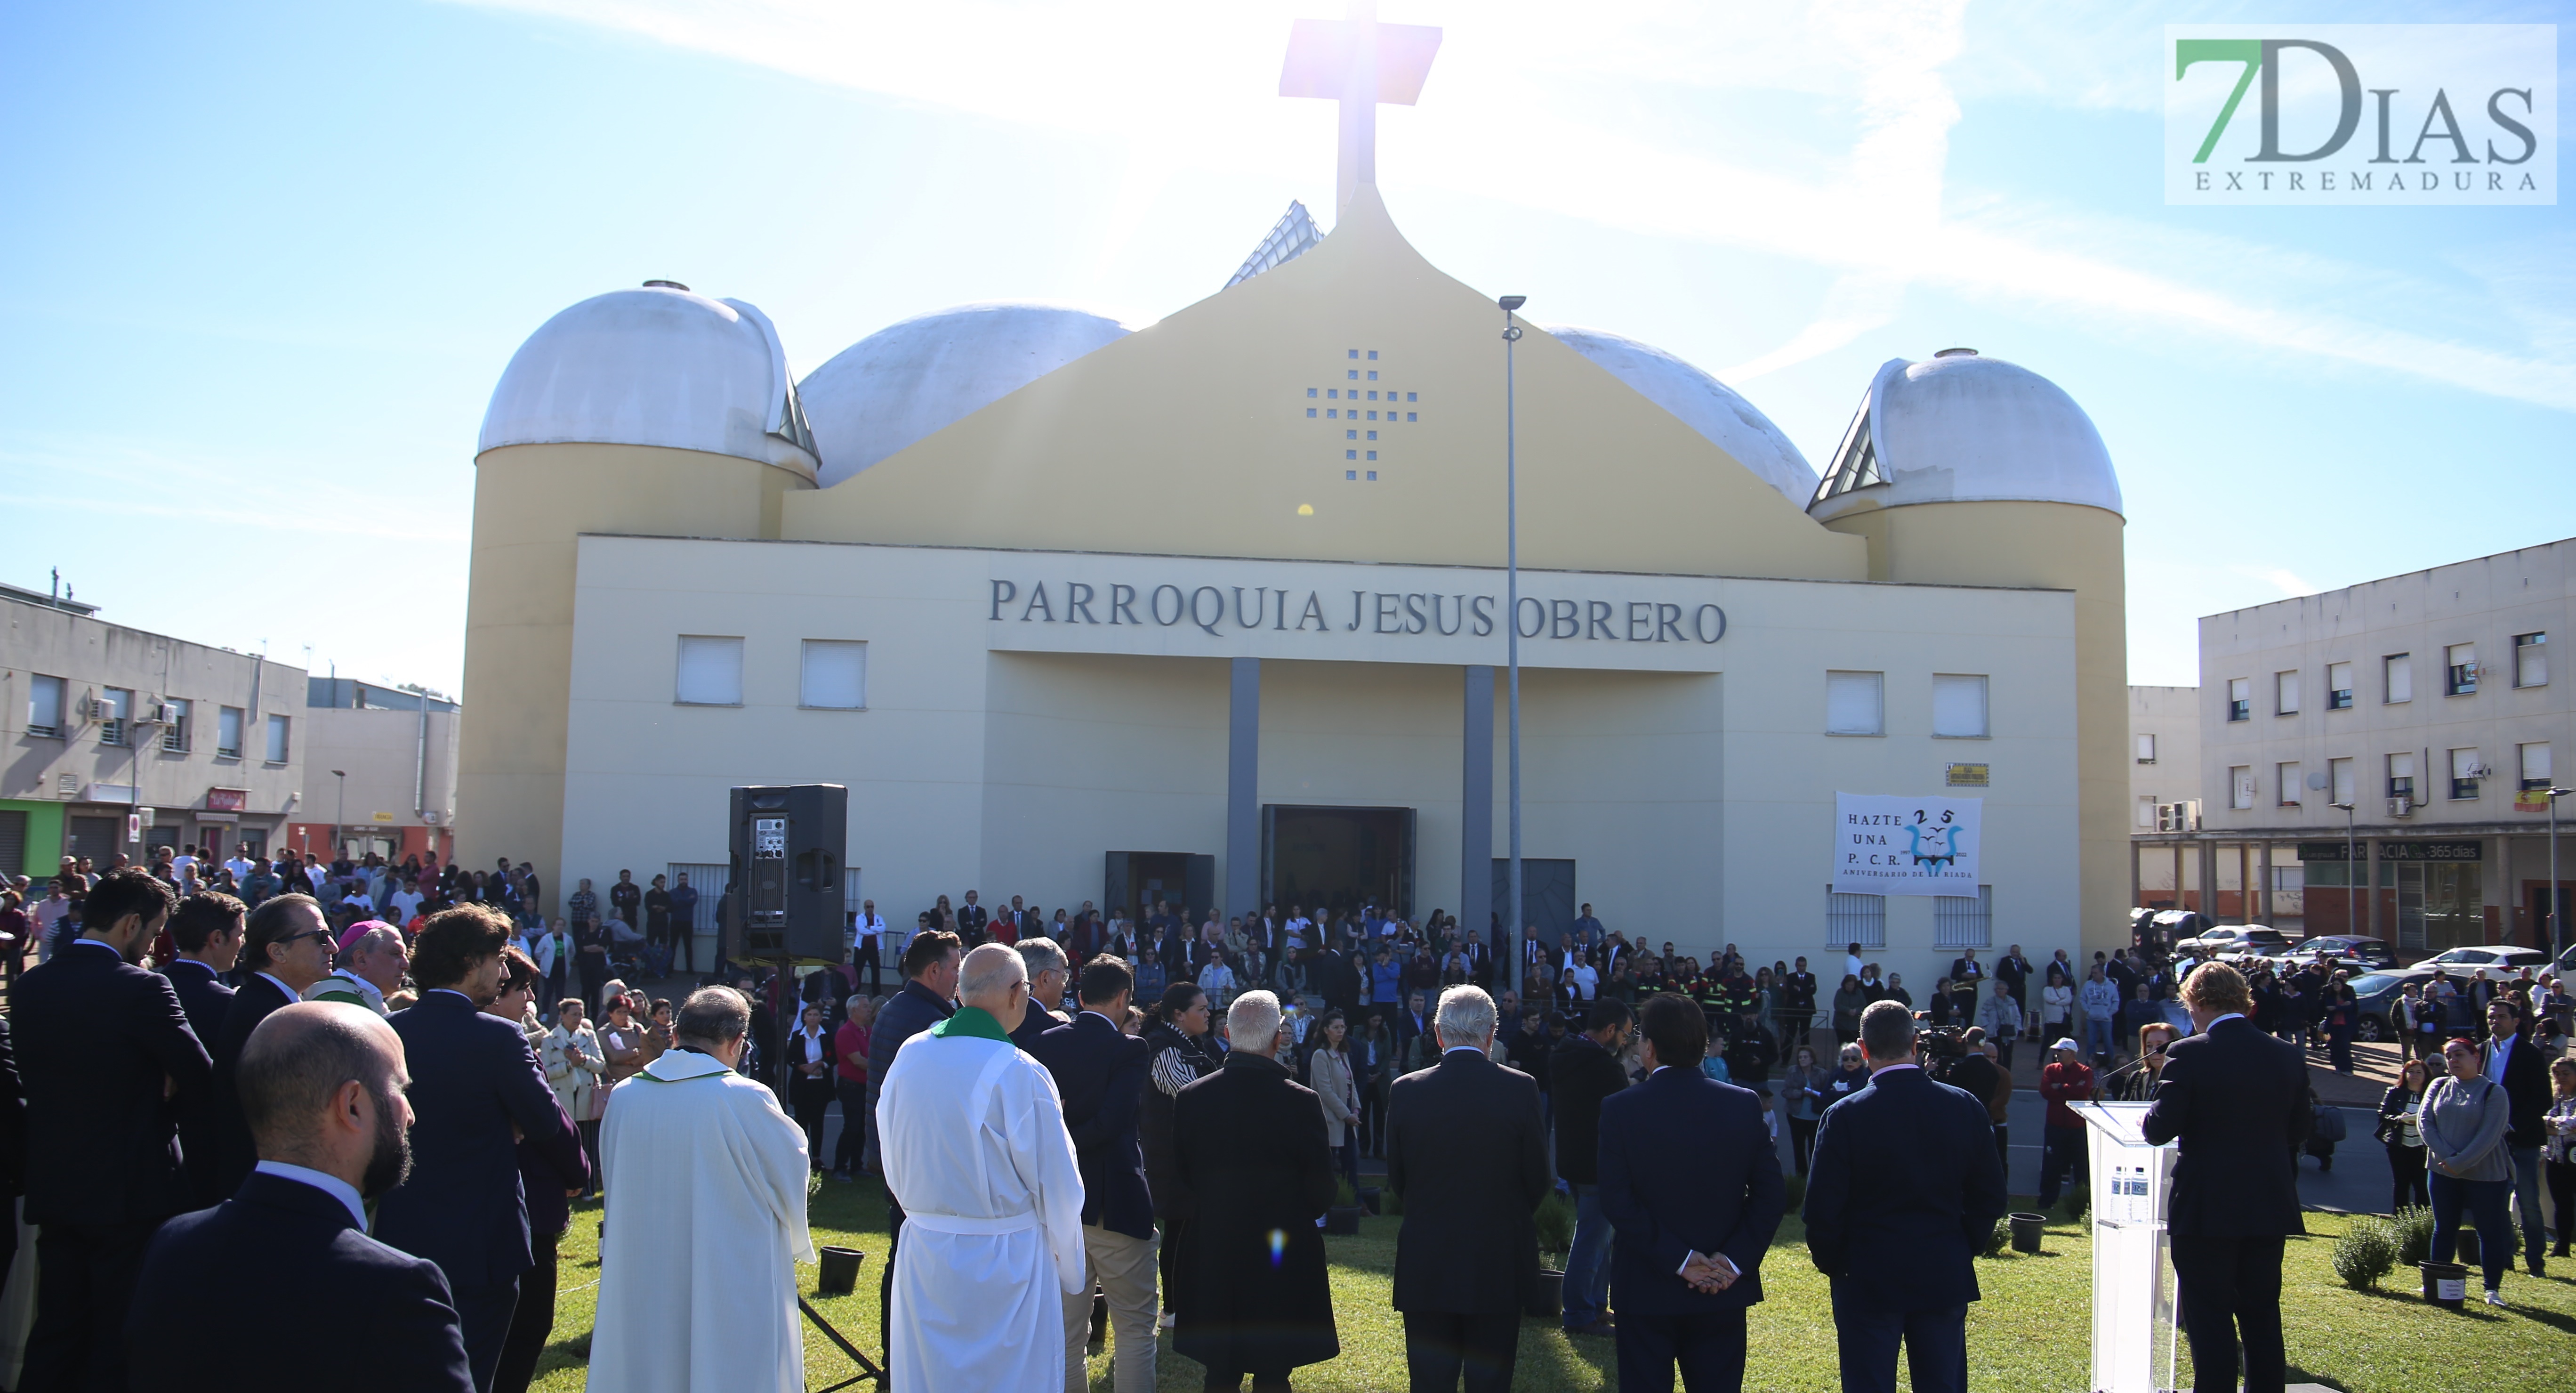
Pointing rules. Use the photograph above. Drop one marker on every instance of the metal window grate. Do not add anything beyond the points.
(1860, 919)
(1959, 921)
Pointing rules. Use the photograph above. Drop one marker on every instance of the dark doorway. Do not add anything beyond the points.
(2547, 932)
(1337, 859)
(1184, 880)
(1547, 896)
(93, 837)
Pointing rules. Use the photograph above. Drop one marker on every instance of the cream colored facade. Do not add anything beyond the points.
(2429, 702)
(1691, 782)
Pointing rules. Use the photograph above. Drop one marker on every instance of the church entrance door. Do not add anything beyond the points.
(1334, 860)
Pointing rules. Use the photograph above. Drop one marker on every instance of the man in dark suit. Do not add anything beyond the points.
(474, 1081)
(1690, 1182)
(1250, 1291)
(285, 948)
(1467, 1154)
(207, 929)
(2521, 1065)
(2235, 1102)
(1099, 1072)
(107, 1058)
(322, 1084)
(1902, 1194)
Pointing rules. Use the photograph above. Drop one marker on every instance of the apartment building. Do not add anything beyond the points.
(2378, 759)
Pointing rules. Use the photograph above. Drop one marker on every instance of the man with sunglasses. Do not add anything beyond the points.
(285, 948)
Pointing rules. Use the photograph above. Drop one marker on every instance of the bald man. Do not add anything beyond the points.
(321, 1087)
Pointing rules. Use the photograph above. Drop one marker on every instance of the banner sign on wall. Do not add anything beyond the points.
(1886, 845)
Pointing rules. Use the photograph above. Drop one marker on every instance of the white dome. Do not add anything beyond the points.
(1964, 428)
(656, 366)
(1703, 403)
(911, 379)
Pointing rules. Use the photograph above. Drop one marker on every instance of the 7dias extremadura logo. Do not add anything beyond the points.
(2361, 115)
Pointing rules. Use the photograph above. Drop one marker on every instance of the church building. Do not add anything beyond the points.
(1218, 609)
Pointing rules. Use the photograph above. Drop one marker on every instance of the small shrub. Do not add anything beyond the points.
(1555, 1222)
(1345, 1194)
(1389, 1203)
(1996, 1238)
(2366, 1252)
(2412, 1229)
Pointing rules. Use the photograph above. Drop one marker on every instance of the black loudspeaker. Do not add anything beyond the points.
(784, 901)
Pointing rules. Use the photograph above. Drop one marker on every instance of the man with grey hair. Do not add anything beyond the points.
(1043, 960)
(699, 1149)
(1249, 1291)
(372, 970)
(972, 1134)
(1467, 1153)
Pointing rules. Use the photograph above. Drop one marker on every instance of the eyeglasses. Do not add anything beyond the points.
(324, 935)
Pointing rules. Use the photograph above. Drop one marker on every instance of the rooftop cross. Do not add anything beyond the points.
(1359, 63)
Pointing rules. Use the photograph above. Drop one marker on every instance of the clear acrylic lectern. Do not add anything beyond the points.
(2134, 1330)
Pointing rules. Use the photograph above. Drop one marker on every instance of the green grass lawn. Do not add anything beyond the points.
(2031, 1334)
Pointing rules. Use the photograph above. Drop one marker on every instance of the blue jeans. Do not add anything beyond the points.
(2526, 1195)
(2484, 1199)
(1587, 1261)
(2097, 1036)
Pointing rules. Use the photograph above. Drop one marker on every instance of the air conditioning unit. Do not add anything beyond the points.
(2401, 807)
(67, 785)
(2178, 817)
(98, 710)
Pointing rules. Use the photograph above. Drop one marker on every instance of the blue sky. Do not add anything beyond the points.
(266, 261)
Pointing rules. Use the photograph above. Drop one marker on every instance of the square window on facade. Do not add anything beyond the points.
(120, 709)
(1333, 393)
(1310, 391)
(2533, 760)
(1372, 454)
(709, 672)
(1350, 435)
(1958, 706)
(1355, 353)
(1332, 415)
(2285, 694)
(2146, 749)
(2338, 686)
(2401, 775)
(2460, 670)
(2340, 777)
(175, 731)
(1413, 396)
(1310, 413)
(2465, 771)
(1413, 416)
(2286, 785)
(44, 705)
(1855, 703)
(1372, 435)
(1350, 454)
(2240, 786)
(1372, 355)
(1372, 473)
(1351, 376)
(2397, 678)
(1351, 474)
(2531, 660)
(279, 728)
(2240, 698)
(1372, 374)
(1372, 396)
(835, 675)
(1372, 415)
(228, 732)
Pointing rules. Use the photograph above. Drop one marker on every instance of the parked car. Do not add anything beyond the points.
(2466, 960)
(2234, 939)
(2376, 994)
(2347, 949)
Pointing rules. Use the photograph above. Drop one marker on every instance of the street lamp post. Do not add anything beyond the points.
(340, 828)
(2349, 921)
(1512, 602)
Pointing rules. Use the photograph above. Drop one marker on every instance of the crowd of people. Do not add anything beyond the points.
(398, 1078)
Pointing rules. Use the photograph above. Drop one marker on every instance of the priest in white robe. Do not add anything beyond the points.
(706, 1221)
(972, 1135)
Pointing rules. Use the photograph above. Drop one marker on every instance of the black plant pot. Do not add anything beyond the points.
(1343, 1219)
(1547, 1299)
(2026, 1230)
(840, 1271)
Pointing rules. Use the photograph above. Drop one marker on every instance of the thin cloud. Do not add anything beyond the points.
(1607, 119)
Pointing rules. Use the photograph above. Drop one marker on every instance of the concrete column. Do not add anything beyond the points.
(2366, 875)
(2209, 879)
(1476, 821)
(2263, 870)
(2133, 874)
(1243, 790)
(2179, 882)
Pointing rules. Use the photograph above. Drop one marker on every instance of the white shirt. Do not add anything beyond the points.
(332, 1185)
(405, 903)
(1586, 980)
(2498, 1056)
(241, 868)
(872, 927)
